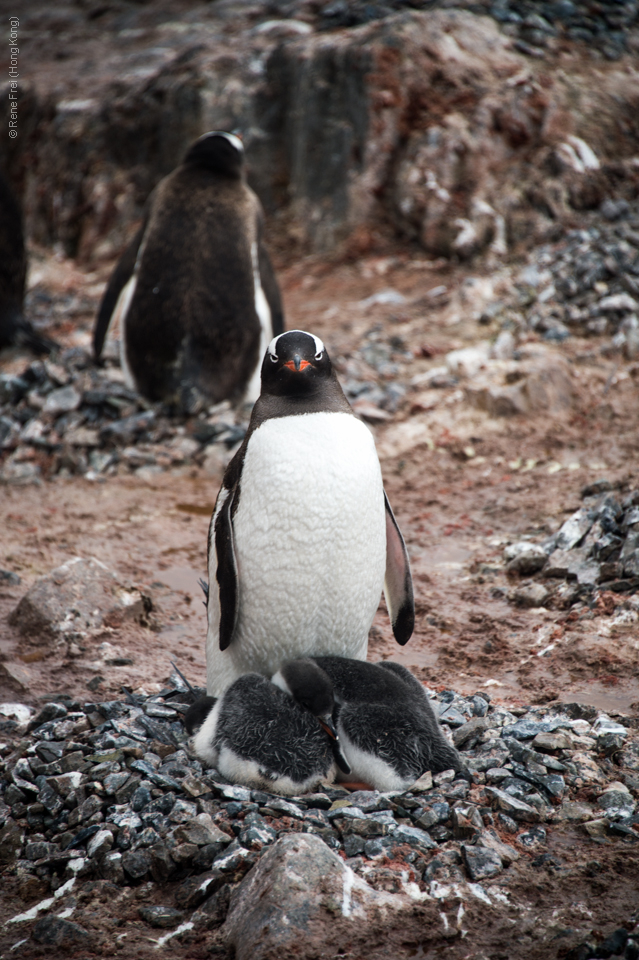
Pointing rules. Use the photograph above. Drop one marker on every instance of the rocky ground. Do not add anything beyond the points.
(503, 396)
(113, 838)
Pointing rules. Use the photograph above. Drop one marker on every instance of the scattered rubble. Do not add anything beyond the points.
(595, 549)
(109, 794)
(588, 284)
(95, 426)
(536, 27)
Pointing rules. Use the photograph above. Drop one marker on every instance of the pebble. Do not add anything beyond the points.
(110, 818)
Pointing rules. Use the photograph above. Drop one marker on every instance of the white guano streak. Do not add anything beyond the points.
(349, 878)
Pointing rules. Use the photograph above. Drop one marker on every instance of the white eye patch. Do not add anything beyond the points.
(272, 347)
(232, 139)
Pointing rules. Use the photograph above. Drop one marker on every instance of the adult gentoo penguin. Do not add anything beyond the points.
(302, 538)
(195, 293)
(262, 737)
(387, 730)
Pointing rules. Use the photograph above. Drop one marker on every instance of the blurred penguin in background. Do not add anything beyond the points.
(195, 293)
(15, 330)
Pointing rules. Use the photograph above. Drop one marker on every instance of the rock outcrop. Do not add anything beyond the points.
(437, 123)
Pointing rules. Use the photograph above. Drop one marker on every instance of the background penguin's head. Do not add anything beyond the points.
(296, 364)
(220, 152)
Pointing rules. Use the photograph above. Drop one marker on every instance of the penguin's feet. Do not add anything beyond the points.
(357, 785)
(268, 774)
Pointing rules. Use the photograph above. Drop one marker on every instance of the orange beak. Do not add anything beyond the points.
(297, 363)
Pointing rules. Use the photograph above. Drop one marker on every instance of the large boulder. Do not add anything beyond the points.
(300, 894)
(78, 596)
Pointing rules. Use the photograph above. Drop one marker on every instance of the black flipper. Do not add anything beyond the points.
(119, 278)
(226, 574)
(269, 285)
(398, 584)
(339, 757)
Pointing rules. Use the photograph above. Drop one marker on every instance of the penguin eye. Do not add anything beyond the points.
(274, 357)
(318, 356)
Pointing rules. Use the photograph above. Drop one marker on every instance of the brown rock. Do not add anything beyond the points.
(544, 387)
(78, 596)
(297, 882)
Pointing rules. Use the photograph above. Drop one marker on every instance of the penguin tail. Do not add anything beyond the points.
(205, 590)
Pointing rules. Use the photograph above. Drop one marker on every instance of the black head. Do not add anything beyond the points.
(220, 152)
(310, 686)
(296, 364)
(197, 714)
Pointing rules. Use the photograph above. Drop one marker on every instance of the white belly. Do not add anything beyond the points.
(310, 542)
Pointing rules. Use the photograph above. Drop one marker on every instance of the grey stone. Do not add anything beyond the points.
(162, 865)
(125, 791)
(213, 911)
(160, 916)
(414, 837)
(513, 807)
(114, 781)
(136, 863)
(533, 837)
(195, 890)
(62, 400)
(100, 843)
(467, 821)
(469, 731)
(201, 831)
(66, 783)
(353, 845)
(365, 827)
(552, 741)
(126, 430)
(575, 811)
(236, 793)
(444, 868)
(56, 931)
(40, 849)
(288, 809)
(51, 711)
(491, 841)
(629, 558)
(111, 868)
(450, 715)
(529, 595)
(616, 796)
(525, 558)
(574, 529)
(481, 862)
(183, 811)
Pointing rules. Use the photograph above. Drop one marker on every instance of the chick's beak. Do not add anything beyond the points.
(297, 363)
(326, 723)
